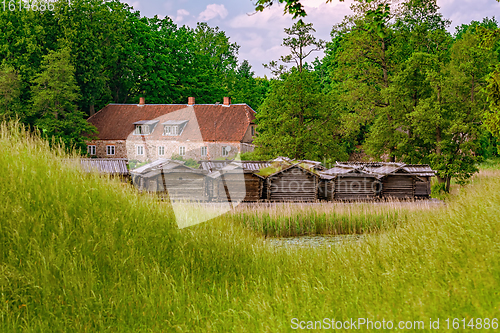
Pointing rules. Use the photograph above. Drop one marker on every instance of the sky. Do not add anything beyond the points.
(260, 35)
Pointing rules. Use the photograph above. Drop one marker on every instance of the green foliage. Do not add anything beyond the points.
(299, 39)
(191, 163)
(54, 93)
(134, 164)
(10, 91)
(296, 219)
(244, 87)
(296, 120)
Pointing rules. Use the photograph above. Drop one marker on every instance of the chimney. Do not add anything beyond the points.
(227, 101)
(142, 100)
(190, 100)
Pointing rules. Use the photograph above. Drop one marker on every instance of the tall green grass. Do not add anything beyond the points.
(81, 253)
(298, 219)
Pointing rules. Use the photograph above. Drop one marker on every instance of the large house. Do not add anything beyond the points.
(147, 132)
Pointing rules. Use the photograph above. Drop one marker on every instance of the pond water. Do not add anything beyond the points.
(314, 241)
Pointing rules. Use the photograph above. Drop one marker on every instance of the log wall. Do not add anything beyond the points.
(356, 188)
(179, 185)
(294, 184)
(423, 188)
(398, 187)
(248, 187)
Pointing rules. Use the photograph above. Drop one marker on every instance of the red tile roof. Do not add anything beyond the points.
(215, 122)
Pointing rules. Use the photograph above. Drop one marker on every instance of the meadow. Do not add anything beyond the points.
(83, 253)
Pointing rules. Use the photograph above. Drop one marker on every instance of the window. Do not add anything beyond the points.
(253, 130)
(140, 150)
(204, 151)
(225, 150)
(141, 129)
(144, 127)
(110, 150)
(91, 149)
(182, 151)
(170, 130)
(161, 150)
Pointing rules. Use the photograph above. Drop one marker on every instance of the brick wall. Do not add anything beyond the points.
(128, 149)
(101, 151)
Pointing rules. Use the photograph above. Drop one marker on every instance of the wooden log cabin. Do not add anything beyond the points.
(424, 175)
(291, 181)
(351, 183)
(172, 177)
(398, 180)
(236, 182)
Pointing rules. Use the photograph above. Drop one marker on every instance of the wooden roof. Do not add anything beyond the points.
(112, 166)
(381, 169)
(284, 166)
(164, 166)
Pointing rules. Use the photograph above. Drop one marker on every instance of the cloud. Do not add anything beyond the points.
(181, 13)
(212, 11)
(135, 4)
(260, 35)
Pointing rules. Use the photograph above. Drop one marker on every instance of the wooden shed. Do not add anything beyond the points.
(290, 181)
(424, 175)
(399, 180)
(172, 177)
(357, 186)
(237, 181)
(352, 182)
(399, 184)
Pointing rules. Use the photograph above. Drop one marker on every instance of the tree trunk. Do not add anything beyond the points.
(91, 110)
(448, 183)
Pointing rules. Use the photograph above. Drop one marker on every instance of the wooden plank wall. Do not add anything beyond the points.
(356, 188)
(423, 188)
(293, 184)
(398, 187)
(180, 186)
(248, 187)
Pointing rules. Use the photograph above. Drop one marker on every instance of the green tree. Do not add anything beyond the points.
(298, 121)
(10, 91)
(54, 96)
(246, 88)
(301, 43)
(363, 63)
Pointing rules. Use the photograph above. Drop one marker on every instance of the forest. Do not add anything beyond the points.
(394, 83)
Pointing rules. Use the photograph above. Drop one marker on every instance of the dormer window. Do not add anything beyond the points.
(141, 129)
(170, 130)
(174, 127)
(144, 127)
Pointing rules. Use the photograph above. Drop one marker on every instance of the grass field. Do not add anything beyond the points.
(81, 253)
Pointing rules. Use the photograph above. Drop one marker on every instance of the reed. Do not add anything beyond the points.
(298, 219)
